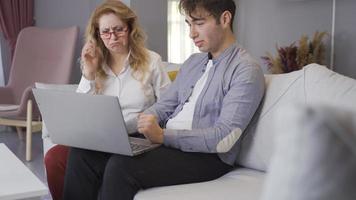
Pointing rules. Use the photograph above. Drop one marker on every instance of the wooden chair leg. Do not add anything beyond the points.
(20, 132)
(29, 131)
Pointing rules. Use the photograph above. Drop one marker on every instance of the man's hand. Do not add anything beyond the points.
(148, 125)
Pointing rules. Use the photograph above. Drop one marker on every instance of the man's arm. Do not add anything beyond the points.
(239, 105)
(167, 102)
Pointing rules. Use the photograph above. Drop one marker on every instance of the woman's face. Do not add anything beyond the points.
(114, 33)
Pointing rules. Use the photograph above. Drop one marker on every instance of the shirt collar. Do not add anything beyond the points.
(108, 70)
(226, 52)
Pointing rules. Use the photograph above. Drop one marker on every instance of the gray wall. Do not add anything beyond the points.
(345, 38)
(153, 19)
(263, 24)
(260, 25)
(64, 13)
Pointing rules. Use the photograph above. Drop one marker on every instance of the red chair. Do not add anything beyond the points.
(41, 55)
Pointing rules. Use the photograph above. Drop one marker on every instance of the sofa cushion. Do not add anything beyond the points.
(313, 84)
(323, 86)
(315, 155)
(172, 69)
(257, 145)
(241, 183)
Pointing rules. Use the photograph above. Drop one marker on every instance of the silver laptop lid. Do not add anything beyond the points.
(83, 120)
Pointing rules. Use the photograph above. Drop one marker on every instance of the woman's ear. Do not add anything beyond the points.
(225, 19)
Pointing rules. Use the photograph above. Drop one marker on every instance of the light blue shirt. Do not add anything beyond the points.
(224, 108)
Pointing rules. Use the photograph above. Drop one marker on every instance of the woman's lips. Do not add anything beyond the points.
(114, 45)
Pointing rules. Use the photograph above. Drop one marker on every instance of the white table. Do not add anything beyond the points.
(16, 180)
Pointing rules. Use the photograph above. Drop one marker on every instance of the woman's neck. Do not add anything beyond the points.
(117, 62)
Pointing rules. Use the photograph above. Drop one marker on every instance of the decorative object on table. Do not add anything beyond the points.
(291, 58)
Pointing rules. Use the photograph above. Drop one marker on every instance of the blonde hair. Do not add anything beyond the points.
(139, 57)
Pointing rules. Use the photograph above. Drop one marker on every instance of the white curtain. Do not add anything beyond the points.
(180, 46)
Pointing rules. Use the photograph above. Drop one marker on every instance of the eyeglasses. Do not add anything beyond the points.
(118, 31)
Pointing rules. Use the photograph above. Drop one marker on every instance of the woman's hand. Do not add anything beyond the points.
(90, 60)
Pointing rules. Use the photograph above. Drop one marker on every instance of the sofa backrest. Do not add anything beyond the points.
(314, 84)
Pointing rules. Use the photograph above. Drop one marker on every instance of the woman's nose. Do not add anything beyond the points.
(113, 36)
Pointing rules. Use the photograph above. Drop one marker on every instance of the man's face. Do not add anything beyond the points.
(206, 34)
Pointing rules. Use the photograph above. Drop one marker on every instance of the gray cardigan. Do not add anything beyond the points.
(229, 99)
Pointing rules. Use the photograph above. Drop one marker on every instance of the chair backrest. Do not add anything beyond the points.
(42, 55)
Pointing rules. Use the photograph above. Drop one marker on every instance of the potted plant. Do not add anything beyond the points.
(291, 58)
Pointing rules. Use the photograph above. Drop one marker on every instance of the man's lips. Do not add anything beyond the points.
(198, 43)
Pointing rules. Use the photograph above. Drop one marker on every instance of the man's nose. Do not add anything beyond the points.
(192, 32)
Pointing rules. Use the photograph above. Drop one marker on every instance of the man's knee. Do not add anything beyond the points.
(121, 170)
(119, 162)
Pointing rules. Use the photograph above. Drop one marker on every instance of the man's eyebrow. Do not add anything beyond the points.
(194, 19)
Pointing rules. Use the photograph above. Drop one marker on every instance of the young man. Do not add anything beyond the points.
(199, 119)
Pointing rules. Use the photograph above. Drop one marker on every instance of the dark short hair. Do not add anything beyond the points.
(214, 7)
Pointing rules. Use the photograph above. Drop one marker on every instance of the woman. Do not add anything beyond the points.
(115, 62)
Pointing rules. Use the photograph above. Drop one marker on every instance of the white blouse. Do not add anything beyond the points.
(134, 96)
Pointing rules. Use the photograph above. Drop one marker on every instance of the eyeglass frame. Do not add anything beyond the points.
(118, 31)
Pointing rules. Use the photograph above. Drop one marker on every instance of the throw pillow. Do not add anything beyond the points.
(315, 155)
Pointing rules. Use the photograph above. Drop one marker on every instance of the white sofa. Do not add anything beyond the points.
(312, 85)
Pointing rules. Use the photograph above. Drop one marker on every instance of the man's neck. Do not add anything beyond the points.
(229, 39)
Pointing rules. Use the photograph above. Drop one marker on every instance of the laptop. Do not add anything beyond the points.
(88, 121)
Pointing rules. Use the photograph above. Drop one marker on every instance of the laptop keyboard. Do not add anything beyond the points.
(135, 146)
(139, 145)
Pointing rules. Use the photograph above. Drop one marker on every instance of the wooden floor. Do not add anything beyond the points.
(10, 138)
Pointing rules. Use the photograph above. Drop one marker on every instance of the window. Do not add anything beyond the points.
(180, 46)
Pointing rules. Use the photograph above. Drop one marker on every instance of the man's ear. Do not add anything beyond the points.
(225, 19)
